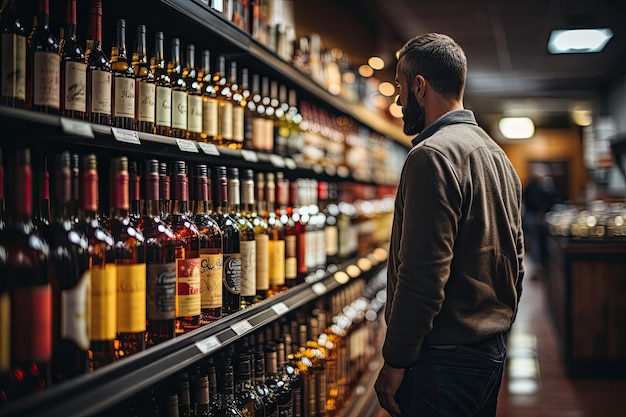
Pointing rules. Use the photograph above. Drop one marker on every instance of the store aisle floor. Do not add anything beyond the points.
(536, 383)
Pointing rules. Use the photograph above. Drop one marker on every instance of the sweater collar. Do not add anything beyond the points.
(449, 118)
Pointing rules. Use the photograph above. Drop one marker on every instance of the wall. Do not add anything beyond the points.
(551, 145)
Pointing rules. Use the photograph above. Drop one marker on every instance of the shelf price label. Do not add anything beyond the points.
(249, 155)
(125, 135)
(277, 161)
(187, 145)
(209, 344)
(241, 327)
(209, 149)
(290, 163)
(280, 308)
(76, 128)
(319, 288)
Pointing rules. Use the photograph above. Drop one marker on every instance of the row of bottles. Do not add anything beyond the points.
(305, 364)
(180, 246)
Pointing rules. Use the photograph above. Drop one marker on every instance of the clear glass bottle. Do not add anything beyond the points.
(163, 89)
(179, 92)
(123, 89)
(73, 69)
(99, 82)
(239, 105)
(145, 86)
(194, 95)
(225, 104)
(209, 101)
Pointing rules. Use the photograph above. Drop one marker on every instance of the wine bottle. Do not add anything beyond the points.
(145, 87)
(285, 215)
(266, 113)
(254, 122)
(75, 187)
(225, 104)
(299, 214)
(163, 93)
(43, 63)
(227, 407)
(328, 205)
(123, 80)
(184, 398)
(276, 232)
(179, 93)
(160, 263)
(281, 124)
(13, 60)
(239, 104)
(263, 385)
(201, 395)
(246, 397)
(194, 95)
(134, 189)
(2, 204)
(99, 82)
(164, 191)
(73, 69)
(209, 101)
(42, 216)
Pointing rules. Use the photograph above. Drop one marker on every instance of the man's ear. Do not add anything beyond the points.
(419, 87)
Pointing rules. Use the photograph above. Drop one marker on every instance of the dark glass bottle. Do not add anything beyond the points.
(179, 92)
(211, 248)
(328, 206)
(73, 69)
(129, 254)
(75, 184)
(202, 406)
(123, 89)
(2, 204)
(160, 263)
(43, 213)
(246, 398)
(227, 407)
(145, 87)
(164, 191)
(231, 290)
(262, 384)
(24, 270)
(286, 379)
(194, 95)
(188, 266)
(43, 82)
(99, 82)
(184, 398)
(299, 214)
(13, 60)
(163, 91)
(134, 189)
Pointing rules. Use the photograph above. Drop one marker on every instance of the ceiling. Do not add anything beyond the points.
(509, 68)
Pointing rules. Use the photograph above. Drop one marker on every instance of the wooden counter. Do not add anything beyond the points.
(587, 297)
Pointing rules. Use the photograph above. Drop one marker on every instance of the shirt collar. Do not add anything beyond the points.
(449, 118)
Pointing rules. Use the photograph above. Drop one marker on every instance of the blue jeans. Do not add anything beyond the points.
(454, 380)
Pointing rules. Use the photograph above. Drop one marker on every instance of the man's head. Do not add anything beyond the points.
(431, 62)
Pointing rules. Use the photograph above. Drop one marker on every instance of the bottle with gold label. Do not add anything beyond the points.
(209, 100)
(163, 90)
(276, 232)
(239, 105)
(179, 92)
(145, 87)
(194, 95)
(225, 104)
(123, 90)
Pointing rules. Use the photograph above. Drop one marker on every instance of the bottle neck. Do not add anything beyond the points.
(202, 207)
(70, 19)
(118, 51)
(234, 196)
(94, 37)
(180, 204)
(23, 205)
(119, 194)
(140, 47)
(153, 204)
(89, 194)
(221, 195)
(43, 14)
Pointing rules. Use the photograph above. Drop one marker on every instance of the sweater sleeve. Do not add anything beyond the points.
(430, 215)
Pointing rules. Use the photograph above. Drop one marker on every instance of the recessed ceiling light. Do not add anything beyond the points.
(578, 41)
(517, 127)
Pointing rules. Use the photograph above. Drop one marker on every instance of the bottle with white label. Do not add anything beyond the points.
(179, 93)
(225, 105)
(99, 78)
(145, 88)
(13, 59)
(73, 69)
(163, 90)
(194, 95)
(44, 67)
(209, 101)
(123, 80)
(239, 105)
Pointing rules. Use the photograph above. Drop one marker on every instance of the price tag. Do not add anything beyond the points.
(318, 168)
(209, 148)
(241, 327)
(249, 155)
(280, 308)
(124, 135)
(208, 345)
(187, 145)
(290, 163)
(319, 288)
(76, 128)
(277, 161)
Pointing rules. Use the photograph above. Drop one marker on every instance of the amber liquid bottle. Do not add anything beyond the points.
(145, 87)
(239, 105)
(194, 95)
(129, 254)
(209, 101)
(103, 298)
(44, 78)
(285, 214)
(163, 91)
(123, 80)
(99, 80)
(211, 248)
(179, 93)
(276, 232)
(27, 349)
(134, 190)
(13, 60)
(225, 104)
(188, 263)
(73, 68)
(160, 263)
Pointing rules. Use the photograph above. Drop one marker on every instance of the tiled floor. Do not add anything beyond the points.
(536, 384)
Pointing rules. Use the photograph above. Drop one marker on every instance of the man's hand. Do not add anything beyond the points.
(387, 384)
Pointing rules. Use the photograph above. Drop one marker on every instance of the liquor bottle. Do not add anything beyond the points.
(308, 209)
(244, 112)
(265, 122)
(184, 398)
(145, 87)
(2, 204)
(209, 101)
(239, 104)
(160, 263)
(202, 406)
(246, 396)
(134, 192)
(172, 406)
(288, 396)
(276, 232)
(103, 300)
(194, 95)
(99, 82)
(261, 236)
(70, 279)
(164, 191)
(213, 391)
(280, 403)
(73, 69)
(231, 281)
(42, 216)
(24, 268)
(299, 214)
(129, 254)
(346, 225)
(248, 244)
(211, 249)
(227, 407)
(75, 187)
(272, 112)
(281, 124)
(328, 206)
(188, 263)
(224, 104)
(179, 93)
(163, 91)
(254, 121)
(285, 215)
(294, 118)
(13, 59)
(43, 64)
(123, 89)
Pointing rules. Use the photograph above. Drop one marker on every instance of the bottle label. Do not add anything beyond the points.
(262, 261)
(75, 312)
(131, 298)
(277, 262)
(101, 92)
(310, 254)
(179, 109)
(163, 106)
(232, 273)
(211, 279)
(248, 268)
(238, 125)
(291, 262)
(225, 117)
(161, 291)
(32, 305)
(188, 287)
(124, 97)
(146, 93)
(75, 86)
(258, 133)
(104, 302)
(332, 240)
(46, 79)
(5, 332)
(13, 66)
(209, 116)
(194, 113)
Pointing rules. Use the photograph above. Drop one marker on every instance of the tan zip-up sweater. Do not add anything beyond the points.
(455, 261)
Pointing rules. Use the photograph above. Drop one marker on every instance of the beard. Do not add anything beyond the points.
(413, 116)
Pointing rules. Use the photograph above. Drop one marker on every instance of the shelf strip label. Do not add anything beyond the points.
(290, 163)
(76, 128)
(249, 155)
(277, 161)
(319, 288)
(280, 308)
(125, 135)
(208, 345)
(187, 145)
(241, 327)
(209, 149)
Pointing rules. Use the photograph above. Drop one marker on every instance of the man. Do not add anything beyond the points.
(455, 259)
